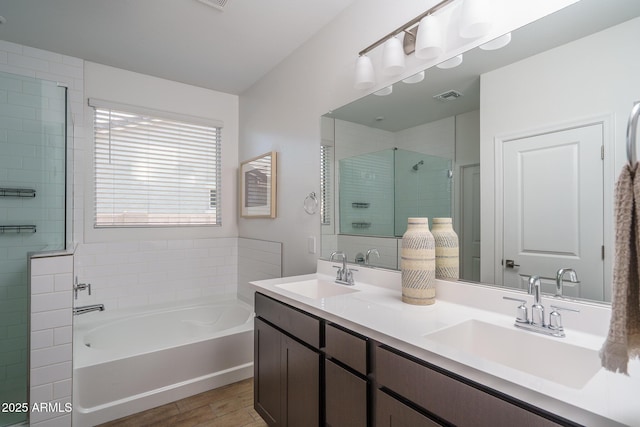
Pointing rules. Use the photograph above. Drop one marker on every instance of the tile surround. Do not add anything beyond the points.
(51, 340)
(128, 274)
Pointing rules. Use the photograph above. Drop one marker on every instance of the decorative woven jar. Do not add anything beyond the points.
(418, 263)
(447, 248)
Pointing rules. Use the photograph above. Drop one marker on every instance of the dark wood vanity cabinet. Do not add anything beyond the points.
(445, 399)
(312, 372)
(346, 382)
(391, 412)
(286, 368)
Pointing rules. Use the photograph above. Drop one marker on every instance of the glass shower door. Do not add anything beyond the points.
(33, 134)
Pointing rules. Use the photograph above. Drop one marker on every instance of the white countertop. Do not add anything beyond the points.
(376, 311)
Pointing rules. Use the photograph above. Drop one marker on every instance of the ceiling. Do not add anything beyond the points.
(181, 40)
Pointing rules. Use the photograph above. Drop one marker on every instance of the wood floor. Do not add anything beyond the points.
(228, 406)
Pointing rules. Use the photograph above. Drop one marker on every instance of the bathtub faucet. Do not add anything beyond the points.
(87, 309)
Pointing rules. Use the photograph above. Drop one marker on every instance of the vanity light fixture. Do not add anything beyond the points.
(450, 63)
(429, 40)
(475, 19)
(498, 43)
(365, 76)
(393, 57)
(384, 91)
(423, 35)
(416, 78)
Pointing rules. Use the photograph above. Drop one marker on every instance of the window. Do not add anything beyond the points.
(326, 159)
(152, 169)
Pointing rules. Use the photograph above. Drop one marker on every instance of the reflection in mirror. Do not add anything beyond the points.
(379, 191)
(521, 140)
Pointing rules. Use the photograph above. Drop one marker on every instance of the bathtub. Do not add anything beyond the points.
(127, 361)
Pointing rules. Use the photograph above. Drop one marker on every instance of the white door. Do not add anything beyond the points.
(553, 209)
(470, 223)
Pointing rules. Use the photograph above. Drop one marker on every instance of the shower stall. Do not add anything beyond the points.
(35, 213)
(378, 191)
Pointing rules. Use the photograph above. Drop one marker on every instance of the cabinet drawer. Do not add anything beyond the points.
(448, 398)
(345, 397)
(295, 322)
(346, 347)
(393, 413)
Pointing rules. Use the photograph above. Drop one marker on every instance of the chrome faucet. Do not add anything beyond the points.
(537, 321)
(87, 309)
(537, 309)
(373, 251)
(344, 276)
(573, 277)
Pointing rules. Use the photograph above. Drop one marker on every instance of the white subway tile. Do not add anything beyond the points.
(63, 282)
(41, 54)
(48, 302)
(28, 62)
(10, 47)
(43, 393)
(7, 68)
(51, 373)
(51, 319)
(63, 335)
(42, 284)
(41, 339)
(51, 265)
(51, 356)
(66, 70)
(62, 389)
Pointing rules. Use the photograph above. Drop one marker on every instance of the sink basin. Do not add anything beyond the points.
(316, 288)
(548, 358)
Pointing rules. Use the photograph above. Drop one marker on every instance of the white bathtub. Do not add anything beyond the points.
(128, 361)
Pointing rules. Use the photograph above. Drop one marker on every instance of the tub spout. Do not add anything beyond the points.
(87, 309)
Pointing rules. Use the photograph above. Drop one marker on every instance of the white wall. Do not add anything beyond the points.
(557, 88)
(282, 111)
(126, 87)
(141, 266)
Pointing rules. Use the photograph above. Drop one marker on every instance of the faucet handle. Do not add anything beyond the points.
(522, 315)
(80, 287)
(555, 319)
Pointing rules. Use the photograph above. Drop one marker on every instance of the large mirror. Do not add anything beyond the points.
(522, 153)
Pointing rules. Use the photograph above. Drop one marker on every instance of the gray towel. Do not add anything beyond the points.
(623, 339)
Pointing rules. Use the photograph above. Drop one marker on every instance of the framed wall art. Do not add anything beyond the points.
(258, 186)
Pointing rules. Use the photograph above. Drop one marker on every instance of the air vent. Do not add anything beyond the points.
(218, 4)
(448, 95)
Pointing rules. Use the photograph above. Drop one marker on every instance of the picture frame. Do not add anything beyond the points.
(257, 182)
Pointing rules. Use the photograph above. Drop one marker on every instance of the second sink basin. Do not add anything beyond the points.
(548, 358)
(316, 288)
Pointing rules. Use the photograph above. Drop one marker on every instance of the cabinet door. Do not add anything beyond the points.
(393, 413)
(345, 397)
(267, 391)
(449, 399)
(302, 384)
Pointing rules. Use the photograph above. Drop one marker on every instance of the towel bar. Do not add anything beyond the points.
(17, 228)
(632, 126)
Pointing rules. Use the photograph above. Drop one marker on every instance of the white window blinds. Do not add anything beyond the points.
(154, 171)
(326, 160)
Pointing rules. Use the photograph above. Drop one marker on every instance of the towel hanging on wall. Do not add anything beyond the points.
(623, 339)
